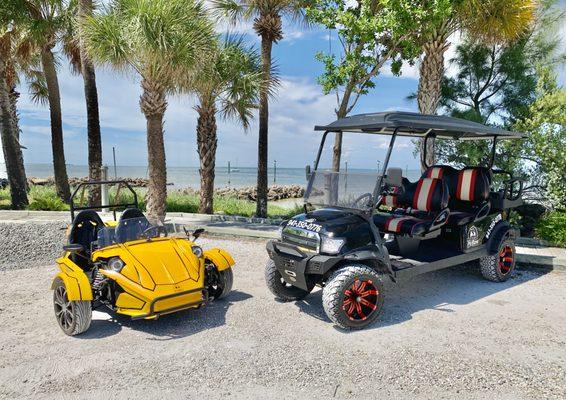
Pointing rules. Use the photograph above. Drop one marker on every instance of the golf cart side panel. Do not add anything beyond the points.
(74, 278)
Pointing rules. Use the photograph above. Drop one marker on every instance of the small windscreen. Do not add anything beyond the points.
(341, 189)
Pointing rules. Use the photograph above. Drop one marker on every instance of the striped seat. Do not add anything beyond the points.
(428, 196)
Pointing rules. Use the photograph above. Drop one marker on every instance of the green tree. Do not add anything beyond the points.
(46, 20)
(371, 33)
(546, 144)
(227, 85)
(487, 21)
(159, 40)
(267, 22)
(10, 15)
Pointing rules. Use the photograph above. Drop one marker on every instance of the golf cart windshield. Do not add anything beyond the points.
(126, 231)
(341, 189)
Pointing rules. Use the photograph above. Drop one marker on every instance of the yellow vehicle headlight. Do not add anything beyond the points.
(115, 264)
(197, 251)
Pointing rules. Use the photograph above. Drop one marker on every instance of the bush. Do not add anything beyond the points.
(5, 199)
(44, 198)
(552, 228)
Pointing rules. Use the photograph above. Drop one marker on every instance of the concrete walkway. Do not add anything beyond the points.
(528, 250)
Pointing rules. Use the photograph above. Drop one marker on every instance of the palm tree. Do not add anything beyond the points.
(46, 20)
(492, 21)
(9, 125)
(267, 22)
(159, 40)
(227, 85)
(85, 8)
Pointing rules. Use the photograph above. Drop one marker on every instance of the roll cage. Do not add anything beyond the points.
(83, 185)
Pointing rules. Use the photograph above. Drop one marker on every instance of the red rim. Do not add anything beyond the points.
(360, 300)
(506, 259)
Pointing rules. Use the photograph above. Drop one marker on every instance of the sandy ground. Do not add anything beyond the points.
(444, 335)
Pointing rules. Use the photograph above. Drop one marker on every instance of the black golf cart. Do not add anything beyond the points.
(359, 228)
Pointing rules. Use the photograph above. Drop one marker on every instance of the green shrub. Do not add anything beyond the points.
(552, 227)
(5, 199)
(44, 198)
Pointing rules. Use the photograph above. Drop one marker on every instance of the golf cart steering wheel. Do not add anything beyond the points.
(158, 228)
(360, 198)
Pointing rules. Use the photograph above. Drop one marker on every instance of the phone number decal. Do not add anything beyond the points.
(309, 226)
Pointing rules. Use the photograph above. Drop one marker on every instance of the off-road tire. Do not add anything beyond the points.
(225, 280)
(334, 295)
(280, 289)
(78, 313)
(493, 267)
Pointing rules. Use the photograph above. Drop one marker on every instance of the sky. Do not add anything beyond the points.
(297, 107)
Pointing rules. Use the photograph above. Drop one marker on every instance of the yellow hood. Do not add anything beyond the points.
(163, 261)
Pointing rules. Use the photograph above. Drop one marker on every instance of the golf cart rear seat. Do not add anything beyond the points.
(469, 191)
(420, 208)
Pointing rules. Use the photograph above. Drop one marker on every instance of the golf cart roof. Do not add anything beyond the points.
(416, 125)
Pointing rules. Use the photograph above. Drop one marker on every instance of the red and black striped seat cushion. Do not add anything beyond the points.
(427, 194)
(403, 224)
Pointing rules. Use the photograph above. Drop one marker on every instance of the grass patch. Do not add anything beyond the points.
(44, 198)
(552, 228)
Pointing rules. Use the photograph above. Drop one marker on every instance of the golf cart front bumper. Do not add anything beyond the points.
(294, 263)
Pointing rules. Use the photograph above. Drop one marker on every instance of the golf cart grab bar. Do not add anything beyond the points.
(83, 185)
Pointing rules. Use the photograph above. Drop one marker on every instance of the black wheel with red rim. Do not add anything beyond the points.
(353, 296)
(498, 267)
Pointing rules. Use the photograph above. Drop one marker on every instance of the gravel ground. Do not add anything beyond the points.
(443, 335)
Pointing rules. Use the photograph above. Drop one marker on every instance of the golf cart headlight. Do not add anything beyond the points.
(331, 245)
(115, 264)
(280, 232)
(197, 251)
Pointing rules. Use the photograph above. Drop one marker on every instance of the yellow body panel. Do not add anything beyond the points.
(75, 280)
(220, 258)
(160, 276)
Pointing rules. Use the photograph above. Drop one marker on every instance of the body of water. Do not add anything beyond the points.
(182, 177)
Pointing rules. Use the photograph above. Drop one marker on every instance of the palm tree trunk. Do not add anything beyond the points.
(206, 140)
(54, 98)
(11, 147)
(93, 120)
(430, 83)
(14, 96)
(262, 153)
(153, 105)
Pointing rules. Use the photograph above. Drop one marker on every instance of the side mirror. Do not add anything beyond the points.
(197, 233)
(308, 172)
(74, 248)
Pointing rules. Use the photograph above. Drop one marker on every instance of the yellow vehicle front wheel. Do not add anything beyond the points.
(219, 283)
(73, 316)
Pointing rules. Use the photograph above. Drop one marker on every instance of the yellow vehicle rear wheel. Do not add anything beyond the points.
(73, 317)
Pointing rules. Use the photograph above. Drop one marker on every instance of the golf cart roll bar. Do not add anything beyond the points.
(432, 134)
(83, 186)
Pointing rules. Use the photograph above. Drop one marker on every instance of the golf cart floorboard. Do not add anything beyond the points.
(431, 259)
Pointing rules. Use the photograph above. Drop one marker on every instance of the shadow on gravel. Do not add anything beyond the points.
(438, 291)
(171, 326)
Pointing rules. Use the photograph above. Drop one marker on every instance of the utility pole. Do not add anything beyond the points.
(228, 173)
(114, 157)
(274, 171)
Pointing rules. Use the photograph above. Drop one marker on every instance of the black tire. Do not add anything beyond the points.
(499, 266)
(281, 289)
(73, 317)
(221, 284)
(343, 296)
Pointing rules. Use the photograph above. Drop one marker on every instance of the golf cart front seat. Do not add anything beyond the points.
(422, 208)
(469, 192)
